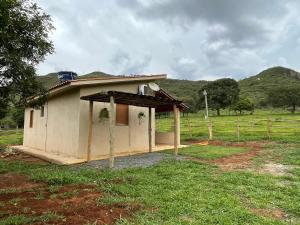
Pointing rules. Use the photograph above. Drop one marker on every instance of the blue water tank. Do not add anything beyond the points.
(66, 75)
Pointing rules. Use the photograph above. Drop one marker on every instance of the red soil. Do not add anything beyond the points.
(75, 203)
(236, 161)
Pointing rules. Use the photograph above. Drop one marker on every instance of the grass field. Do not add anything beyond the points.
(262, 125)
(178, 191)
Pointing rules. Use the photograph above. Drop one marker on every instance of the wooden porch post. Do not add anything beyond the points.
(112, 117)
(150, 129)
(176, 129)
(90, 134)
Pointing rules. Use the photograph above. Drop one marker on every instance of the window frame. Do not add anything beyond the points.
(42, 111)
(31, 116)
(117, 122)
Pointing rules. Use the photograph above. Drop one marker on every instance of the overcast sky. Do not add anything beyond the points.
(190, 39)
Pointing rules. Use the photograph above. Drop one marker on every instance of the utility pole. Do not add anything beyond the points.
(206, 106)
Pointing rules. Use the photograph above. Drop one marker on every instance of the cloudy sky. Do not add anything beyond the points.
(191, 39)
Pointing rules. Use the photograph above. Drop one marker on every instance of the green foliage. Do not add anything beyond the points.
(220, 94)
(243, 104)
(24, 43)
(285, 96)
(258, 87)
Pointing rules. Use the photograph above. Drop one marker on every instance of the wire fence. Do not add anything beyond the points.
(237, 130)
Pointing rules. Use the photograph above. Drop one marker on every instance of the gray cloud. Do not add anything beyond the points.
(192, 39)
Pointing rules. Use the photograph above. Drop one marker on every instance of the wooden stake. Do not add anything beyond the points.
(176, 129)
(111, 132)
(238, 129)
(189, 126)
(150, 129)
(210, 130)
(269, 124)
(90, 135)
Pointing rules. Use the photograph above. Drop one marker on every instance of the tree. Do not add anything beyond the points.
(244, 104)
(285, 97)
(220, 94)
(24, 43)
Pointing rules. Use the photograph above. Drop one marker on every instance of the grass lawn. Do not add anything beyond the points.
(283, 126)
(11, 137)
(184, 192)
(209, 151)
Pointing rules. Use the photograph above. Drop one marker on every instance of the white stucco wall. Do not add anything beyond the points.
(128, 139)
(58, 130)
(64, 127)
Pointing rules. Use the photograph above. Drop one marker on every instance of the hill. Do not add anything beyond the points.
(257, 87)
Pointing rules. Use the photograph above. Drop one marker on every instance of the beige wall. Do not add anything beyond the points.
(66, 117)
(58, 130)
(35, 136)
(128, 139)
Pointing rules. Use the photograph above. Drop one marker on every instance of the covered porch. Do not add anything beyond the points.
(160, 101)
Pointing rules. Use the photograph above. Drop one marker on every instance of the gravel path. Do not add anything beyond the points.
(140, 160)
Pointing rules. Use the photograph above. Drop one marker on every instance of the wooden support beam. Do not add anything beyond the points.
(90, 134)
(176, 129)
(112, 116)
(150, 129)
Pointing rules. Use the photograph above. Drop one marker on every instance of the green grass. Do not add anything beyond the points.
(210, 151)
(284, 127)
(10, 138)
(184, 192)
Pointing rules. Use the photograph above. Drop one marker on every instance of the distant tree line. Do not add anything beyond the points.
(225, 94)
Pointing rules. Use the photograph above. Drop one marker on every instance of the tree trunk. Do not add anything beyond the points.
(218, 112)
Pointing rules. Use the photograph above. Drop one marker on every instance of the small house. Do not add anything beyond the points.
(98, 118)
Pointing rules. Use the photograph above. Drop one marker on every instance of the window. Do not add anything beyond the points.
(42, 111)
(31, 119)
(122, 114)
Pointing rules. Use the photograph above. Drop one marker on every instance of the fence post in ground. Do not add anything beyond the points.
(238, 129)
(269, 124)
(210, 130)
(189, 126)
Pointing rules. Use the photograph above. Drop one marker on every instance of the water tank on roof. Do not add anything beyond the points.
(66, 75)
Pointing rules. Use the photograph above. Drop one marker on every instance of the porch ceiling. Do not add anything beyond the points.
(133, 99)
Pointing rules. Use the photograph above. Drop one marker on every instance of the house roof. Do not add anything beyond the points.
(165, 108)
(103, 80)
(71, 84)
(133, 99)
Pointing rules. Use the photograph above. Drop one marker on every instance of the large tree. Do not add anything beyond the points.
(24, 42)
(285, 97)
(220, 94)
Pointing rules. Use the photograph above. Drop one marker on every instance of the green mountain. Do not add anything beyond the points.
(255, 87)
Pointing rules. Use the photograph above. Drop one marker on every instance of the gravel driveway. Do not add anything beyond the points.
(139, 160)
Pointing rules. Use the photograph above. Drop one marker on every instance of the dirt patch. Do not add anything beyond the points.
(235, 161)
(274, 213)
(17, 182)
(72, 204)
(275, 169)
(20, 156)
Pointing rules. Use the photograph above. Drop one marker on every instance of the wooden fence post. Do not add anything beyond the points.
(189, 125)
(238, 129)
(210, 130)
(269, 124)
